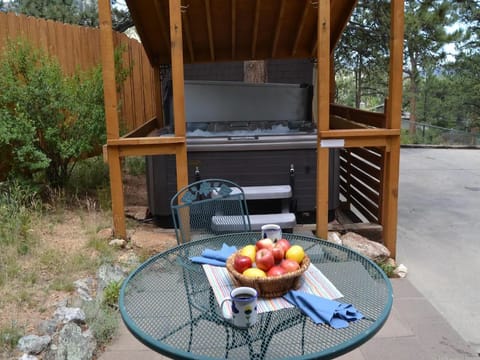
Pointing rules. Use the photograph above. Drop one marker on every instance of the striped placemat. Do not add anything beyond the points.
(314, 282)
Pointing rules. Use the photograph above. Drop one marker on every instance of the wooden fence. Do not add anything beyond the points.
(78, 47)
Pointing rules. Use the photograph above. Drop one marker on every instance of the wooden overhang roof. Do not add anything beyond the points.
(237, 30)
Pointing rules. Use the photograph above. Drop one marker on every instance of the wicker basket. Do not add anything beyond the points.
(269, 287)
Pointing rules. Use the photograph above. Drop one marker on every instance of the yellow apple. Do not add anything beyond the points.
(250, 251)
(296, 253)
(254, 273)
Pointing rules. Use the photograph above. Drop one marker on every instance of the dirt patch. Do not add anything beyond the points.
(135, 190)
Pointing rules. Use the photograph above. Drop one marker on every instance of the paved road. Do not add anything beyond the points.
(439, 232)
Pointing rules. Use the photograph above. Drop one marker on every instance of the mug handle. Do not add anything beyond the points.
(225, 314)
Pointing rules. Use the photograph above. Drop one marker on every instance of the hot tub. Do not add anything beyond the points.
(252, 134)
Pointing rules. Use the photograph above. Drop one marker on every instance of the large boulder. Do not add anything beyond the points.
(371, 249)
(73, 344)
(33, 344)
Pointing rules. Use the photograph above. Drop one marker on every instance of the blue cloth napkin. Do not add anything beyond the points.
(214, 257)
(323, 311)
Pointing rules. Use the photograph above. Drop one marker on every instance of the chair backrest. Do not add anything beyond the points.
(209, 207)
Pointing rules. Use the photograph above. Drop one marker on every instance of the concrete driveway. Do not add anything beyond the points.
(439, 232)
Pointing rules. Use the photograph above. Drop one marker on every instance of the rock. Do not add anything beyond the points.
(371, 249)
(33, 344)
(154, 242)
(73, 344)
(137, 212)
(129, 259)
(108, 273)
(27, 357)
(65, 314)
(105, 234)
(401, 271)
(334, 237)
(119, 243)
(85, 288)
(47, 327)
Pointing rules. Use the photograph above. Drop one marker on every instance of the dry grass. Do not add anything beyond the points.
(60, 252)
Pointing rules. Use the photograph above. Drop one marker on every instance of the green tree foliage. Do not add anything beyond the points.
(48, 121)
(438, 89)
(66, 11)
(361, 56)
(83, 13)
(426, 23)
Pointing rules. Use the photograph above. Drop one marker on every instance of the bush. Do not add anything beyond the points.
(48, 121)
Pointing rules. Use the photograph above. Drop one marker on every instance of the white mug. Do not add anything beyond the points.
(272, 231)
(243, 310)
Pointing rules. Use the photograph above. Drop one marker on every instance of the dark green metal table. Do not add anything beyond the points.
(167, 303)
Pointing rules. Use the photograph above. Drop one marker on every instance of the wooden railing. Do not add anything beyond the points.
(361, 168)
(361, 181)
(78, 47)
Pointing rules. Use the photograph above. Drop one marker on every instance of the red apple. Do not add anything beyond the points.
(278, 253)
(264, 244)
(276, 270)
(284, 243)
(289, 265)
(264, 259)
(242, 263)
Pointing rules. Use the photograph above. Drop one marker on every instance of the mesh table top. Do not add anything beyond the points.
(167, 303)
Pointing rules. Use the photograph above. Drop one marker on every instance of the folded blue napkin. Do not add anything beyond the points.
(214, 257)
(323, 311)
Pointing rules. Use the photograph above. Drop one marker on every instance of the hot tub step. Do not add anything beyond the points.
(229, 223)
(267, 192)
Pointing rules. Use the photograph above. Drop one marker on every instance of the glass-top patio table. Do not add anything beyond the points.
(168, 304)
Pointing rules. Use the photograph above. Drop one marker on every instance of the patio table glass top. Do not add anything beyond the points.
(168, 304)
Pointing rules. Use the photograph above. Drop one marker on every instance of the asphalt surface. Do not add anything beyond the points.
(439, 232)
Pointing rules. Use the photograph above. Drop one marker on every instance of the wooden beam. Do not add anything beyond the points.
(323, 101)
(394, 108)
(276, 37)
(143, 130)
(178, 79)
(108, 66)
(208, 17)
(300, 28)
(144, 150)
(111, 115)
(255, 27)
(234, 28)
(178, 88)
(153, 140)
(353, 133)
(116, 192)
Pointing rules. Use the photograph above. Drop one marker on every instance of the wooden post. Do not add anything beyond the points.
(111, 115)
(394, 110)
(323, 101)
(178, 89)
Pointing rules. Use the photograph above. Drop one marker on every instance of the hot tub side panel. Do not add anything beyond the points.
(247, 168)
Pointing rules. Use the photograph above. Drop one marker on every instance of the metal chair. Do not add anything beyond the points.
(209, 207)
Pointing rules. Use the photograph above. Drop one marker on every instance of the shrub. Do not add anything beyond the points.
(48, 121)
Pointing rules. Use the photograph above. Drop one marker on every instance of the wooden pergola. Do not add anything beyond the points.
(176, 32)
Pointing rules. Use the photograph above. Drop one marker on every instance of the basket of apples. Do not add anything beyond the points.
(272, 268)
